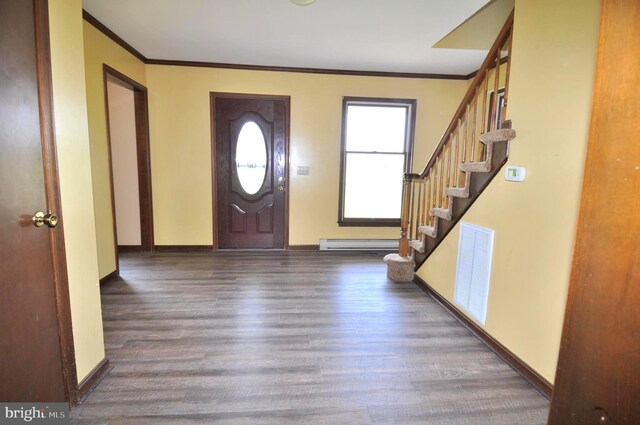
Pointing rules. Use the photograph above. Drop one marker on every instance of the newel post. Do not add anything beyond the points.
(404, 217)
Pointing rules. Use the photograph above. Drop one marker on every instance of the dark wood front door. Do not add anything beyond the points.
(250, 164)
(30, 349)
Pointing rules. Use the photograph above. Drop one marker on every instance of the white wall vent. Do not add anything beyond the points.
(358, 244)
(473, 272)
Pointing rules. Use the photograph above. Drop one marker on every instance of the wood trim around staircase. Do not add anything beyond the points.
(91, 381)
(517, 364)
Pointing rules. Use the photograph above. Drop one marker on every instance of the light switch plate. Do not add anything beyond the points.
(513, 173)
(302, 170)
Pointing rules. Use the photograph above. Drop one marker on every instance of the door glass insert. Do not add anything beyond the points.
(251, 157)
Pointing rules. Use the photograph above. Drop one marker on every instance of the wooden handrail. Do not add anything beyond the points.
(488, 63)
(443, 168)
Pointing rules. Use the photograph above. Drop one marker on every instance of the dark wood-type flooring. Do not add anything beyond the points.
(292, 338)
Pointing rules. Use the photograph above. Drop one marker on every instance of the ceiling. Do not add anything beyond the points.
(361, 35)
(479, 31)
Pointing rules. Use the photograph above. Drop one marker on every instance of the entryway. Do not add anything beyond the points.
(250, 162)
(129, 162)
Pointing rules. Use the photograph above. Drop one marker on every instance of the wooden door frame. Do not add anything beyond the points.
(604, 270)
(52, 190)
(214, 186)
(143, 151)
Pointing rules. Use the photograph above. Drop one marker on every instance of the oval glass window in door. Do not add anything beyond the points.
(251, 157)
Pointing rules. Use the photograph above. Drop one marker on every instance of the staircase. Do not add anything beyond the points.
(472, 151)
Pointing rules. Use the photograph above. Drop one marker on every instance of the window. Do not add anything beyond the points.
(377, 146)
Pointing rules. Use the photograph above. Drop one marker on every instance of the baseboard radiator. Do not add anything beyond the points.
(358, 244)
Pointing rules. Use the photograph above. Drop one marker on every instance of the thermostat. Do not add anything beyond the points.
(514, 173)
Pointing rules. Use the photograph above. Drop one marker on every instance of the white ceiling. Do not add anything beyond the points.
(363, 35)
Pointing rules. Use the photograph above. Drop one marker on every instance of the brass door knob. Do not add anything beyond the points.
(280, 188)
(40, 219)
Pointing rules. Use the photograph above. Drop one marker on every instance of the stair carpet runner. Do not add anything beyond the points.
(402, 268)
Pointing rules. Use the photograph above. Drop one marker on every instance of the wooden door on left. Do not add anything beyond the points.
(250, 164)
(31, 340)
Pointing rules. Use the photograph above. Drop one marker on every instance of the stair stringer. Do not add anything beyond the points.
(478, 182)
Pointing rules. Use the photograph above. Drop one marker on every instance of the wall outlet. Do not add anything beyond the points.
(302, 170)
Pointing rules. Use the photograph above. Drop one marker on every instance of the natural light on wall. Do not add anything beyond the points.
(375, 155)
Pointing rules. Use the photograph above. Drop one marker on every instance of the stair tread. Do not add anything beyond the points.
(500, 135)
(476, 167)
(444, 213)
(431, 231)
(457, 192)
(417, 244)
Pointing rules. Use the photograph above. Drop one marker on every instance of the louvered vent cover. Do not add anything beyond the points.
(474, 270)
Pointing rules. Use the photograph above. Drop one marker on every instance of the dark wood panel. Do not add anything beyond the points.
(36, 340)
(265, 219)
(598, 376)
(296, 337)
(236, 213)
(237, 219)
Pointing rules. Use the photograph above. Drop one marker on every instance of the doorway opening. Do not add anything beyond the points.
(129, 163)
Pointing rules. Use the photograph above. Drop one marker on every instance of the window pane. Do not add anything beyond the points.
(373, 185)
(376, 128)
(251, 157)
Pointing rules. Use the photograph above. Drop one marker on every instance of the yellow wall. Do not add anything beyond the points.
(552, 72)
(72, 138)
(181, 143)
(99, 49)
